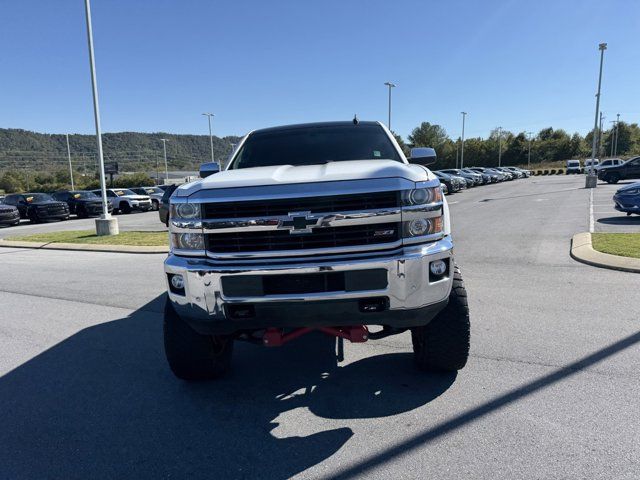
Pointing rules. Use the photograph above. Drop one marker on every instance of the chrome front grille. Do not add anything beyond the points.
(320, 238)
(320, 204)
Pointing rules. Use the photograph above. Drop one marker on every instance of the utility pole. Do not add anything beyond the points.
(615, 149)
(499, 146)
(209, 115)
(600, 150)
(529, 154)
(70, 168)
(592, 179)
(157, 171)
(166, 168)
(464, 114)
(390, 85)
(612, 136)
(105, 225)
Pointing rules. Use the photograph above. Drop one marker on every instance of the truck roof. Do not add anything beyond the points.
(312, 125)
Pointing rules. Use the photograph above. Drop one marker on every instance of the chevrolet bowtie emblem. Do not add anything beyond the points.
(299, 222)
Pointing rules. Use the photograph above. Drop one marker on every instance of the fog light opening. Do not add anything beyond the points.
(177, 282)
(438, 267)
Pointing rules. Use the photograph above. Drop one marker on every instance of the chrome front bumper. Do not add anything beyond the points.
(408, 285)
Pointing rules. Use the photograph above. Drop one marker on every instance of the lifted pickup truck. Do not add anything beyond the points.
(321, 226)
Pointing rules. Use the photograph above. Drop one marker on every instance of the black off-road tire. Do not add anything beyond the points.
(155, 205)
(125, 208)
(443, 344)
(192, 356)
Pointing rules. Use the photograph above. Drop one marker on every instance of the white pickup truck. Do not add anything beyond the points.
(323, 226)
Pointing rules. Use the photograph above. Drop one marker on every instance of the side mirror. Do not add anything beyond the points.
(209, 168)
(423, 156)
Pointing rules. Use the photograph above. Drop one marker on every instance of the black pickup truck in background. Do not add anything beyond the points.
(629, 169)
(82, 202)
(38, 207)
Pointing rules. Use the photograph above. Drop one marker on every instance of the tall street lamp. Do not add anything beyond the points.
(600, 149)
(105, 225)
(209, 115)
(464, 114)
(499, 146)
(390, 85)
(615, 148)
(529, 154)
(592, 179)
(70, 168)
(612, 136)
(166, 168)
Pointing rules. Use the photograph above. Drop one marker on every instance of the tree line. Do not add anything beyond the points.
(548, 145)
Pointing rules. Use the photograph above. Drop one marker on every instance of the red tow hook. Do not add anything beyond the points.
(273, 337)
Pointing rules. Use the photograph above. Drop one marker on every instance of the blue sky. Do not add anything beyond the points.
(522, 65)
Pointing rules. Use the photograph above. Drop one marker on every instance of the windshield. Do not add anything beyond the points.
(123, 191)
(573, 163)
(77, 195)
(314, 145)
(38, 197)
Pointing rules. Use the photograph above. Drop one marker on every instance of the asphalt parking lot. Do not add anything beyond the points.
(550, 391)
(138, 221)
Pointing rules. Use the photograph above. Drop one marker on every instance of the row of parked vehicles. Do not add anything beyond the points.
(456, 179)
(39, 207)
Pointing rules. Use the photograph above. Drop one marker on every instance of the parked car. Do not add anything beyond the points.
(9, 215)
(472, 179)
(452, 183)
(573, 167)
(587, 165)
(629, 169)
(484, 179)
(38, 207)
(125, 201)
(508, 174)
(519, 173)
(163, 210)
(502, 176)
(627, 199)
(494, 177)
(155, 193)
(82, 203)
(610, 162)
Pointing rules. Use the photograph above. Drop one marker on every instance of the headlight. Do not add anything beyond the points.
(185, 210)
(187, 241)
(423, 226)
(634, 191)
(421, 196)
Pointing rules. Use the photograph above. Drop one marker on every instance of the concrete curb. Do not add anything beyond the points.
(86, 247)
(582, 251)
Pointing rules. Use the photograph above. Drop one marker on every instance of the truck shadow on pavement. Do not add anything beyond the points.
(103, 404)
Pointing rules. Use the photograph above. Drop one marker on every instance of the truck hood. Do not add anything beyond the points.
(334, 171)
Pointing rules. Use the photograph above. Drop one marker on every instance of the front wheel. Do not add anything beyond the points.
(193, 356)
(613, 178)
(443, 344)
(125, 208)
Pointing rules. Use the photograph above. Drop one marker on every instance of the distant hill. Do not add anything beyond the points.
(22, 149)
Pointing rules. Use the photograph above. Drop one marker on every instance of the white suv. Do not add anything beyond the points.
(573, 166)
(125, 201)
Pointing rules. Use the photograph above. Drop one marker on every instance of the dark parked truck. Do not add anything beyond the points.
(9, 215)
(613, 174)
(82, 203)
(38, 207)
(323, 227)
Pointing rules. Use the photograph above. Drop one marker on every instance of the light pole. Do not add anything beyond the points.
(612, 136)
(464, 114)
(499, 146)
(390, 85)
(529, 154)
(70, 169)
(105, 225)
(209, 115)
(600, 149)
(166, 168)
(592, 179)
(615, 148)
